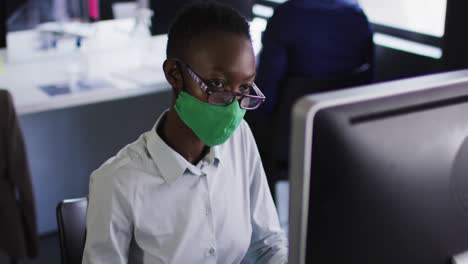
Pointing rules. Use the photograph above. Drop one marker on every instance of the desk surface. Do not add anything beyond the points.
(23, 76)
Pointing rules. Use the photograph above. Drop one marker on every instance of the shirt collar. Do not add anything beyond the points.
(169, 162)
(213, 156)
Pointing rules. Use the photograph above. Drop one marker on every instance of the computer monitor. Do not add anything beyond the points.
(379, 173)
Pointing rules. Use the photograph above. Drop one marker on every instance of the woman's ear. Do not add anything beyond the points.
(173, 75)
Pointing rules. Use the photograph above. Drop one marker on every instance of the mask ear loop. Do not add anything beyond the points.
(179, 67)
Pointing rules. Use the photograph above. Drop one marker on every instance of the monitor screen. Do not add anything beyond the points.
(379, 174)
(419, 16)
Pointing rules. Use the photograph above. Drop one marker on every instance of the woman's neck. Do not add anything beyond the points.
(181, 138)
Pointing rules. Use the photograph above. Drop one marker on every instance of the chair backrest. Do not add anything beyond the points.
(297, 87)
(71, 220)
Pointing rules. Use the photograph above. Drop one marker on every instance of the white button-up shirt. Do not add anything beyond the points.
(150, 205)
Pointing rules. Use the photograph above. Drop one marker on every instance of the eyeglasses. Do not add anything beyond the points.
(250, 98)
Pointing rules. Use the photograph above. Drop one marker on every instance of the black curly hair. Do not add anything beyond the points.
(199, 18)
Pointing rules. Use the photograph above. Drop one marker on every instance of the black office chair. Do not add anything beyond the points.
(294, 88)
(71, 220)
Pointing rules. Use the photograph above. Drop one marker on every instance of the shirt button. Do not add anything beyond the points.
(212, 251)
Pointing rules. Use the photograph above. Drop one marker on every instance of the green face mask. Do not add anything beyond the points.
(211, 123)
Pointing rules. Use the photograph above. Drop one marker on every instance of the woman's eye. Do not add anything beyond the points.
(246, 88)
(216, 84)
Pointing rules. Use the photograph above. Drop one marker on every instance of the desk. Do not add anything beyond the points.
(22, 77)
(69, 136)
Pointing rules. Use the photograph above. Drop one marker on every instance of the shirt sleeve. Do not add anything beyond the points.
(109, 221)
(268, 243)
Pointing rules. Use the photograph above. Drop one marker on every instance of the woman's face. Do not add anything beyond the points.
(222, 59)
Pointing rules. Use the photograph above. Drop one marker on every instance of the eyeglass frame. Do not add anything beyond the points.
(239, 96)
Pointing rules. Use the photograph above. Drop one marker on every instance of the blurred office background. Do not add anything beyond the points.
(66, 143)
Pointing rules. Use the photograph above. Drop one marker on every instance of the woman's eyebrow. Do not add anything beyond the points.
(227, 72)
(218, 70)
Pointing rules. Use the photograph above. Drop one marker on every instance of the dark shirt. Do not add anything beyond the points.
(314, 39)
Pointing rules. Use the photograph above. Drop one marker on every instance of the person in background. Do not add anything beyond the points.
(18, 230)
(316, 40)
(193, 188)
